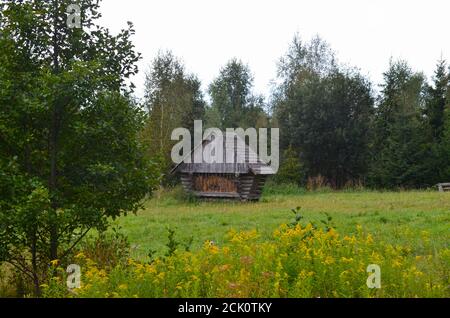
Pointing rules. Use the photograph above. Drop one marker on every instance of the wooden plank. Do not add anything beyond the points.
(443, 187)
(218, 194)
(214, 168)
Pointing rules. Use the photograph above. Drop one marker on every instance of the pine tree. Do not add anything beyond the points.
(400, 149)
(437, 100)
(444, 146)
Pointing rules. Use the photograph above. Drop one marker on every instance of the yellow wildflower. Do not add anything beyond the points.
(161, 275)
(397, 263)
(80, 256)
(55, 262)
(346, 260)
(150, 269)
(329, 260)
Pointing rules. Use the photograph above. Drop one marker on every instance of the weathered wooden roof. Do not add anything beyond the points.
(245, 160)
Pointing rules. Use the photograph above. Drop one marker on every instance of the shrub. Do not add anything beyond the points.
(7, 287)
(318, 183)
(291, 170)
(107, 250)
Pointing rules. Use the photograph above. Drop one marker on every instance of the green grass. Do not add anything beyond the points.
(419, 219)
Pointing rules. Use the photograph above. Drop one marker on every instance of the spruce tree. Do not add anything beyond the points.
(437, 100)
(399, 149)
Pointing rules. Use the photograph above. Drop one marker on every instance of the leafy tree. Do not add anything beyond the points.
(324, 112)
(305, 58)
(173, 99)
(303, 62)
(68, 149)
(233, 103)
(196, 103)
(212, 117)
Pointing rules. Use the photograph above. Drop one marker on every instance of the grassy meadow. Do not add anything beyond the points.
(293, 243)
(409, 217)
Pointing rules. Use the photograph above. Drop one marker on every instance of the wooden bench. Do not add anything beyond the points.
(443, 187)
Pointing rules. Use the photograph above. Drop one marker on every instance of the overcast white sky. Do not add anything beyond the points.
(207, 33)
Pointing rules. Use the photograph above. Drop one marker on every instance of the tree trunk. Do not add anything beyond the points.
(36, 282)
(53, 144)
(53, 185)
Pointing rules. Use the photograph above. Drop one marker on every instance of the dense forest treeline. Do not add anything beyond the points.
(335, 130)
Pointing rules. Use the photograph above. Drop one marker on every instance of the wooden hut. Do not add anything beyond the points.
(243, 179)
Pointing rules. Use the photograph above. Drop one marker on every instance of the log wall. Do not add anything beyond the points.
(247, 187)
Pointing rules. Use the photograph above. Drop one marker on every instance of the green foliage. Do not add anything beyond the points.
(444, 146)
(328, 222)
(324, 113)
(233, 103)
(344, 138)
(275, 188)
(68, 129)
(7, 282)
(173, 99)
(24, 208)
(291, 170)
(298, 217)
(438, 119)
(400, 148)
(108, 249)
(437, 100)
(172, 245)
